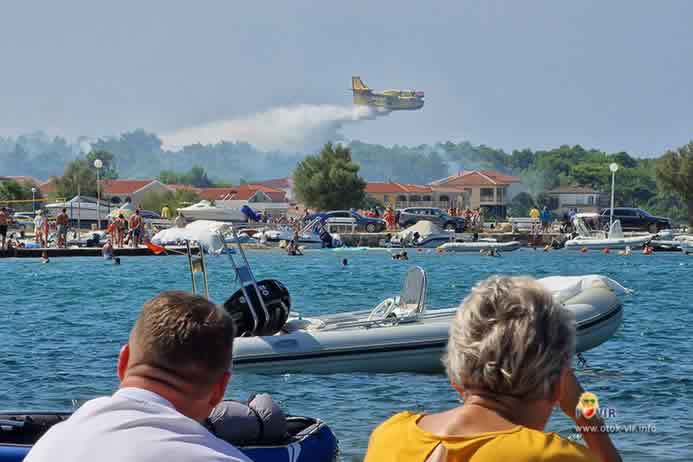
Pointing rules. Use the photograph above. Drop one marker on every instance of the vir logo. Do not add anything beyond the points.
(588, 407)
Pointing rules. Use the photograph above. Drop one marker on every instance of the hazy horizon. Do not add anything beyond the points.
(535, 74)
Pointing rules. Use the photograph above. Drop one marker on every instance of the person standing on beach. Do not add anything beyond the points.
(62, 221)
(166, 212)
(173, 371)
(120, 224)
(136, 228)
(41, 229)
(3, 226)
(180, 220)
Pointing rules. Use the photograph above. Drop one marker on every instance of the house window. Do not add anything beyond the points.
(444, 199)
(401, 198)
(427, 198)
(386, 198)
(486, 194)
(500, 192)
(415, 198)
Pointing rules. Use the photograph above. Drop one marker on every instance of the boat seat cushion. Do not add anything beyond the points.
(261, 421)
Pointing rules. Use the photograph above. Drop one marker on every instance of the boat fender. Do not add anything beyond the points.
(276, 299)
(261, 421)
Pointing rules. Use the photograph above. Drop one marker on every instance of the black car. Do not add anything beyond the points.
(635, 219)
(371, 225)
(413, 215)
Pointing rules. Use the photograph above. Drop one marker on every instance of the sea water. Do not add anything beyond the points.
(63, 323)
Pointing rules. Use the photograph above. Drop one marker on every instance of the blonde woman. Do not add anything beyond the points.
(508, 356)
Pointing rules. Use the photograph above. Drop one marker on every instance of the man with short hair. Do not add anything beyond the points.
(173, 372)
(136, 228)
(62, 221)
(3, 226)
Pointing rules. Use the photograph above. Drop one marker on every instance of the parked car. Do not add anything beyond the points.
(413, 215)
(635, 219)
(371, 225)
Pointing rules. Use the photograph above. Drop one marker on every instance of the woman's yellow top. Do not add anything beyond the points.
(401, 439)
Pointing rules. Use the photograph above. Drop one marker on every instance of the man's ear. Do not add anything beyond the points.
(123, 358)
(219, 389)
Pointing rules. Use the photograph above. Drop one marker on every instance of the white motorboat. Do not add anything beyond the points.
(424, 234)
(480, 245)
(82, 208)
(204, 210)
(401, 335)
(615, 239)
(308, 236)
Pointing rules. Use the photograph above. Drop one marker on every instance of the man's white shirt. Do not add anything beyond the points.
(134, 425)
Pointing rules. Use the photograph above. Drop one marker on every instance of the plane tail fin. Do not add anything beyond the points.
(357, 84)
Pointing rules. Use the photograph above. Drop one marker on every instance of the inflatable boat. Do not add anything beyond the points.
(401, 335)
(398, 335)
(424, 234)
(615, 239)
(479, 246)
(262, 434)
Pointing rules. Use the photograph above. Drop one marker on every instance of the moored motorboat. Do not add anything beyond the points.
(480, 245)
(401, 335)
(615, 239)
(424, 234)
(204, 210)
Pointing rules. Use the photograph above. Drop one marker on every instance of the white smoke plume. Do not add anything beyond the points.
(299, 128)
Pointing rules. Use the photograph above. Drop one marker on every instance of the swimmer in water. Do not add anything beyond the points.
(345, 262)
(44, 257)
(116, 261)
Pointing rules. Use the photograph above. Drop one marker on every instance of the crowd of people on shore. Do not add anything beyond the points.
(495, 360)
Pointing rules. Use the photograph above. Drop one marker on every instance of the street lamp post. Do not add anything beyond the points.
(33, 200)
(614, 168)
(98, 164)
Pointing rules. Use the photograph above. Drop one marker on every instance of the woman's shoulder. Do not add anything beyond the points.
(396, 422)
(551, 446)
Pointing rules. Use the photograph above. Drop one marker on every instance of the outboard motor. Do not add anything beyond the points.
(252, 319)
(250, 213)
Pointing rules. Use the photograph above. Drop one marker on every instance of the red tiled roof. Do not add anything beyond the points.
(387, 188)
(476, 178)
(280, 183)
(246, 191)
(47, 188)
(124, 186)
(214, 194)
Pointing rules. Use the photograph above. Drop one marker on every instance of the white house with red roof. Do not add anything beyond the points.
(118, 191)
(478, 189)
(282, 184)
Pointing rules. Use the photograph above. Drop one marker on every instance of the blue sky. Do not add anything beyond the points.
(615, 75)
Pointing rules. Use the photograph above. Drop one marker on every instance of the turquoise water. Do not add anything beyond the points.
(63, 323)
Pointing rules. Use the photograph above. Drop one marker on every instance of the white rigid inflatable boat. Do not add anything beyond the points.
(400, 335)
(615, 239)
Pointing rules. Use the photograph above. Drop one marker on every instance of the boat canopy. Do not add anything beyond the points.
(204, 232)
(425, 228)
